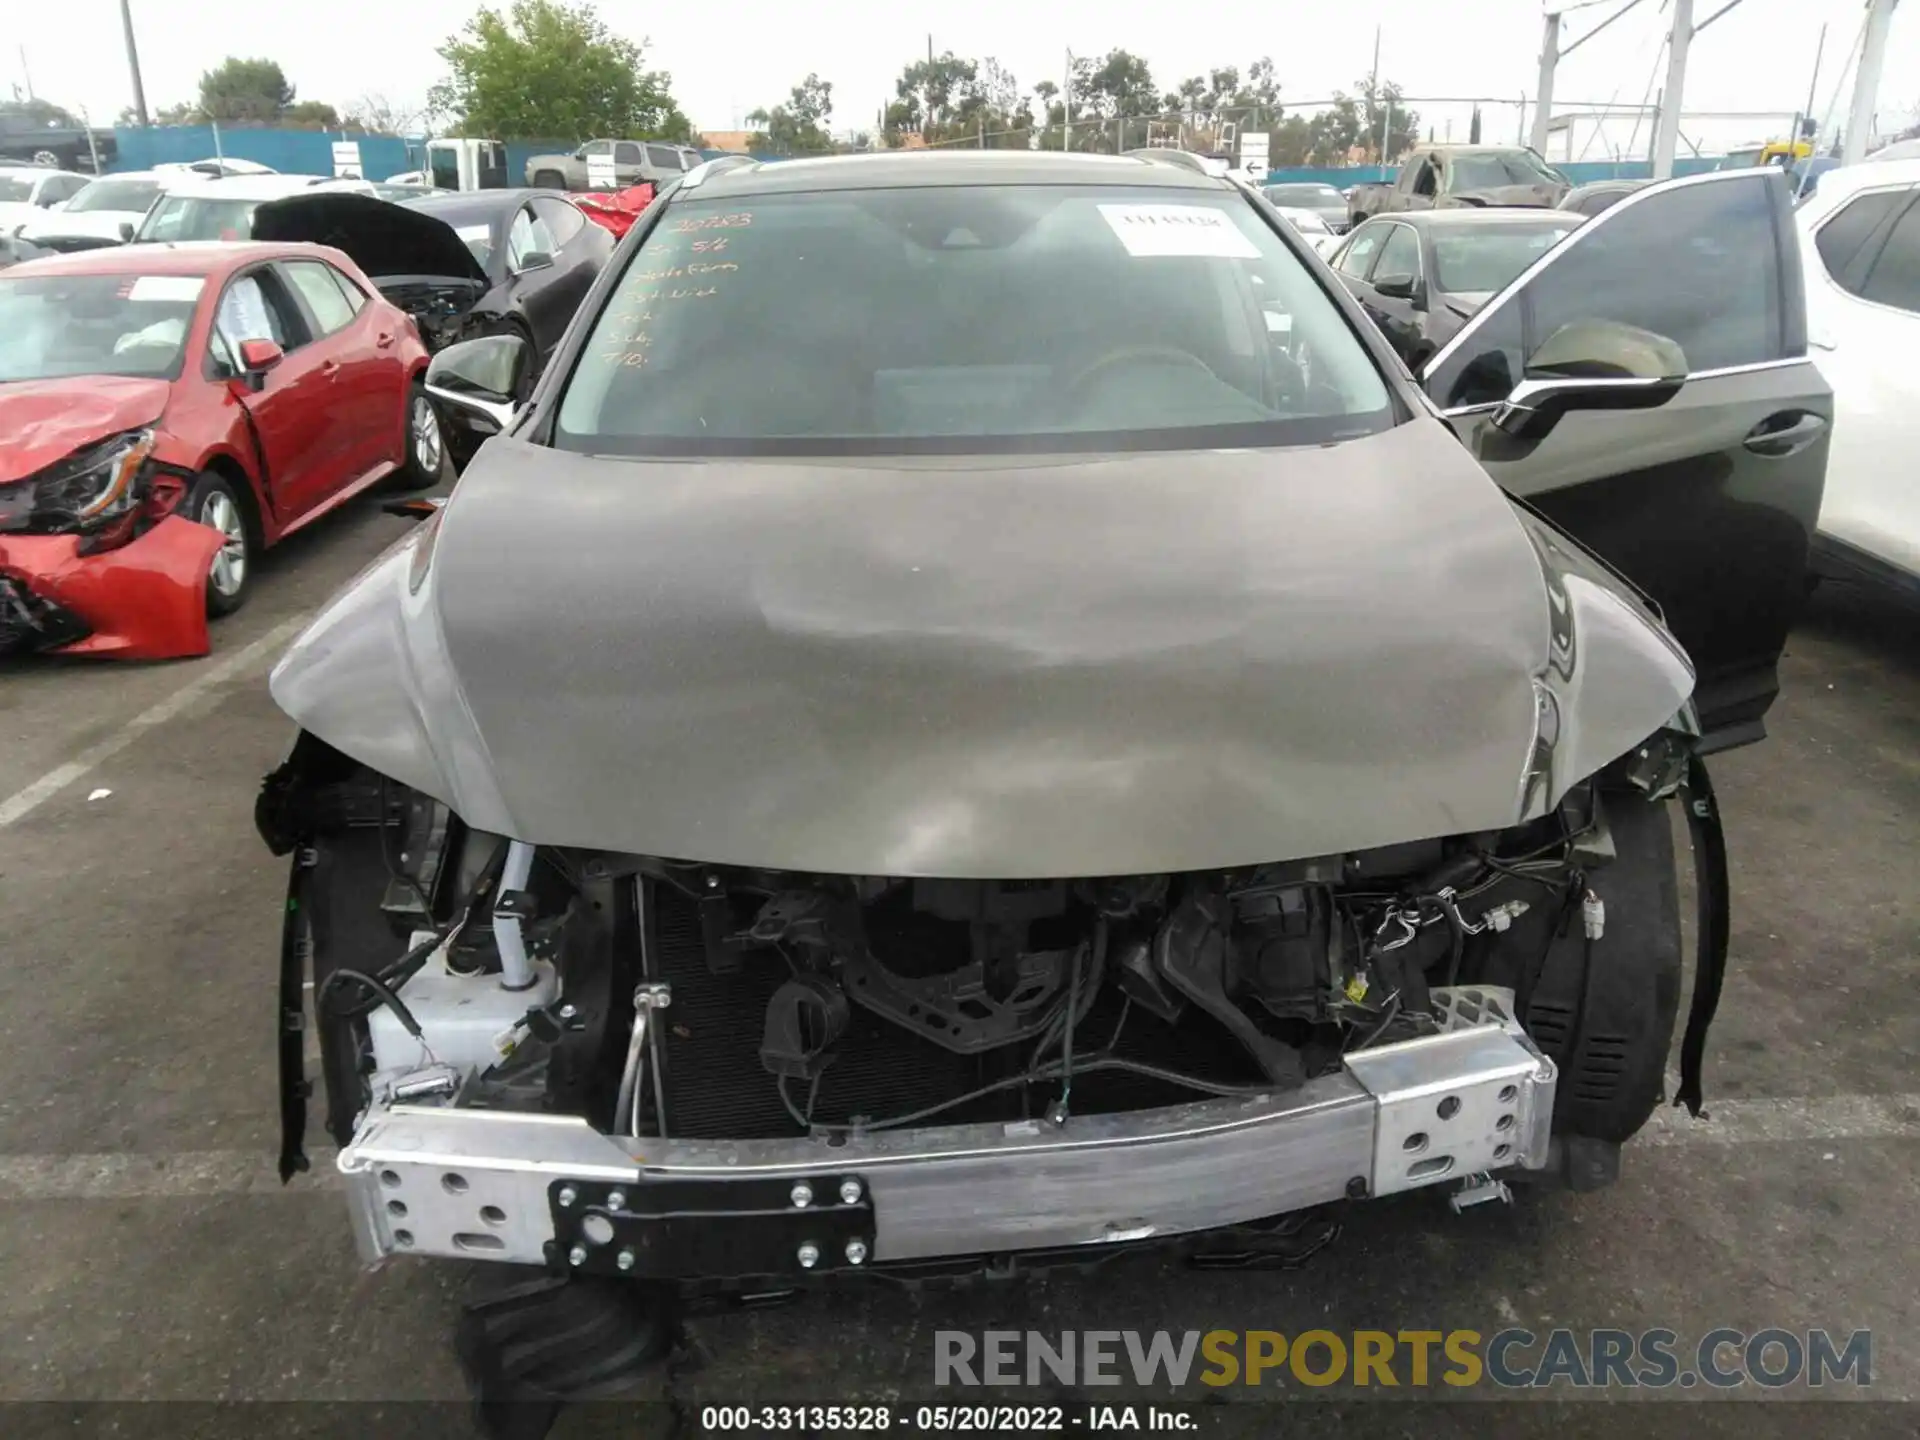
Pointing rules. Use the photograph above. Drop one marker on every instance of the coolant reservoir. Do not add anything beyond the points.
(470, 1021)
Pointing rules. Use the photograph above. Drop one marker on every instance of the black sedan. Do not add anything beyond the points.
(1421, 276)
(490, 262)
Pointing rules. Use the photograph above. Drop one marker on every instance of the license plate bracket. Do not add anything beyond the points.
(685, 1229)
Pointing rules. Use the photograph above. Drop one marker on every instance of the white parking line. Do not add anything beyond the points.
(154, 1176)
(24, 802)
(1819, 1117)
(122, 1176)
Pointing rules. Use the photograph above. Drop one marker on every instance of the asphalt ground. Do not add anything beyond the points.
(148, 1253)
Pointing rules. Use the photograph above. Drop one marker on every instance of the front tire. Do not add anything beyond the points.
(549, 180)
(216, 502)
(426, 442)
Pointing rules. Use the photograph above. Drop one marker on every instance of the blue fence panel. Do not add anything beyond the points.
(1581, 172)
(292, 152)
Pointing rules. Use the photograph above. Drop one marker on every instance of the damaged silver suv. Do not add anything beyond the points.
(978, 713)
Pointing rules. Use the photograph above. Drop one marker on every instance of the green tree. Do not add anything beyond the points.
(548, 69)
(799, 126)
(245, 92)
(952, 100)
(1290, 142)
(1353, 124)
(183, 112)
(311, 115)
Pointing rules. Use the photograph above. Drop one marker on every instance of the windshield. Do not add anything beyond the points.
(12, 188)
(998, 313)
(181, 217)
(58, 325)
(1490, 171)
(1308, 196)
(1489, 257)
(132, 195)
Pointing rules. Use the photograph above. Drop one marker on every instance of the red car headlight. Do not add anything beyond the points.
(93, 488)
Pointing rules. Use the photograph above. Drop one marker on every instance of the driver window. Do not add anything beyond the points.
(253, 309)
(1359, 252)
(1699, 265)
(529, 236)
(1425, 183)
(597, 147)
(1400, 259)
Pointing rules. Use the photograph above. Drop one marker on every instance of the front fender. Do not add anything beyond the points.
(366, 674)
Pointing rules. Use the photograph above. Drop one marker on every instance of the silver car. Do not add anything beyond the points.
(978, 715)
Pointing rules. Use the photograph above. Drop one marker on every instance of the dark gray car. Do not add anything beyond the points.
(980, 710)
(1589, 200)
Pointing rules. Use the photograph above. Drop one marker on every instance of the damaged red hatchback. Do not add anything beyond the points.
(168, 411)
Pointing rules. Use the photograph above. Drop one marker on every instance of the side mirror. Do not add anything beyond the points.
(1396, 287)
(533, 260)
(126, 230)
(478, 381)
(1535, 406)
(256, 358)
(1592, 365)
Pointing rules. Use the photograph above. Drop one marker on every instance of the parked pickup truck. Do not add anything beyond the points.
(634, 161)
(1441, 177)
(44, 134)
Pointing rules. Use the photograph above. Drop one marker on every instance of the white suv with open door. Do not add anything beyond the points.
(1860, 233)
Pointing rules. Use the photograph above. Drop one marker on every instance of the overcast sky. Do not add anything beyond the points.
(728, 59)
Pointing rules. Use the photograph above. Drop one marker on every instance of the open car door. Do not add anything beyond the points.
(1708, 501)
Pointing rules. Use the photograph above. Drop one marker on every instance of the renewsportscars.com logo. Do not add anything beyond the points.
(1512, 1359)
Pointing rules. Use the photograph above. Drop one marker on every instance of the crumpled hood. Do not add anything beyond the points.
(1544, 194)
(42, 421)
(1016, 667)
(382, 238)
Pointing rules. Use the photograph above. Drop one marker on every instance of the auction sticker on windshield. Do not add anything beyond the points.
(1178, 230)
(166, 288)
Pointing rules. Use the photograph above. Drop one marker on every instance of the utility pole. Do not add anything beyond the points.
(1066, 108)
(1866, 81)
(1373, 84)
(133, 63)
(1666, 130)
(26, 74)
(1805, 117)
(1543, 90)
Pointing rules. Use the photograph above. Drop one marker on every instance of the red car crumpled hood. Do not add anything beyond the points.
(42, 421)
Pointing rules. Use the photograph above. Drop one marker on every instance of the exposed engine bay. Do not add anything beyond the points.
(438, 305)
(666, 998)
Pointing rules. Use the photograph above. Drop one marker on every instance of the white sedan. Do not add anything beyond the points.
(1311, 227)
(105, 211)
(1860, 242)
(28, 192)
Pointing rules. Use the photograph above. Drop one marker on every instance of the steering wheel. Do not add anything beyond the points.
(1134, 355)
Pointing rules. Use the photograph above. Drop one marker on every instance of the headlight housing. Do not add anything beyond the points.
(93, 488)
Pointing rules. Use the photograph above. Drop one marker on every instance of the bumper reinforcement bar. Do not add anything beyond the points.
(494, 1185)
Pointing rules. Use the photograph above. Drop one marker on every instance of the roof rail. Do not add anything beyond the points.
(1185, 159)
(720, 164)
